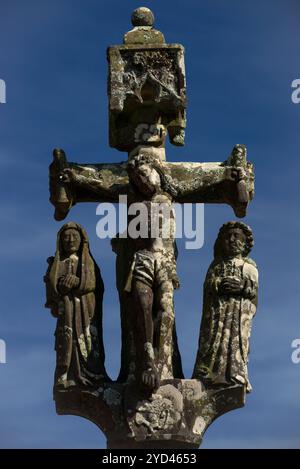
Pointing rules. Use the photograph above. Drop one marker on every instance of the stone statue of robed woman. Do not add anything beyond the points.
(75, 290)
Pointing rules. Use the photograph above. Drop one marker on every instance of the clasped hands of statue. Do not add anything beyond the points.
(68, 282)
(231, 286)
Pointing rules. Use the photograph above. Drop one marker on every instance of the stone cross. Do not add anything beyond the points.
(147, 103)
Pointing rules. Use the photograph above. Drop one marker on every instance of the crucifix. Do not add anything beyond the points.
(147, 105)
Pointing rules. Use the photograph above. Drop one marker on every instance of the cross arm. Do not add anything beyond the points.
(71, 183)
(224, 182)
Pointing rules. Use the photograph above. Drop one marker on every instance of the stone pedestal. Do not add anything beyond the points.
(175, 416)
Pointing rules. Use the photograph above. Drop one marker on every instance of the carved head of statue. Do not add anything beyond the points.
(71, 241)
(238, 156)
(144, 176)
(235, 239)
(239, 149)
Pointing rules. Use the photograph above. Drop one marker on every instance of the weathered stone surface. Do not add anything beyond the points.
(176, 415)
(142, 16)
(147, 95)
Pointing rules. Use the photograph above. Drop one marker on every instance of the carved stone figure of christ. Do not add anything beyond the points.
(150, 281)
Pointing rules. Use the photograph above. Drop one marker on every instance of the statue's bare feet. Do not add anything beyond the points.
(150, 379)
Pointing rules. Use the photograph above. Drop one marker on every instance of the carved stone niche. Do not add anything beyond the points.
(147, 89)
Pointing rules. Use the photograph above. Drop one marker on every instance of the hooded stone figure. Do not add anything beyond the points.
(74, 290)
(229, 304)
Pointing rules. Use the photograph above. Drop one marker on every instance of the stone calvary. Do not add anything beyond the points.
(151, 404)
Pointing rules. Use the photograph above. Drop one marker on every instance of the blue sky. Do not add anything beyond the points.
(241, 58)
